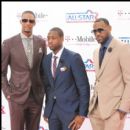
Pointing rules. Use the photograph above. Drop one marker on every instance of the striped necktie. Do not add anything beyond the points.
(54, 66)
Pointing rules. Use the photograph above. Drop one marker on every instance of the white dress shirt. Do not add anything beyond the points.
(58, 55)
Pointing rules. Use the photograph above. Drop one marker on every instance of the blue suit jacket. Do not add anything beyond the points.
(70, 89)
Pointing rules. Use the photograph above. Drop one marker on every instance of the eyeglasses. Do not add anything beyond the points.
(99, 30)
(28, 20)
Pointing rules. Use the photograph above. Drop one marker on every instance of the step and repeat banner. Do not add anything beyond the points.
(76, 20)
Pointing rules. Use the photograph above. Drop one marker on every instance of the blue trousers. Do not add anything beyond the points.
(60, 120)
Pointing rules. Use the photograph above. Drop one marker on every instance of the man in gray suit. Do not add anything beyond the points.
(25, 89)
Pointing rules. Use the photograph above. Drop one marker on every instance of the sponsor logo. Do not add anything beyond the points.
(123, 15)
(79, 40)
(79, 17)
(40, 16)
(89, 65)
(125, 39)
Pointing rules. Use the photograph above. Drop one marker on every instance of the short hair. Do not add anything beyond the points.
(102, 19)
(58, 30)
(30, 12)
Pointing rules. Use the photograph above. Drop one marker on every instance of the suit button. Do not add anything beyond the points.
(54, 97)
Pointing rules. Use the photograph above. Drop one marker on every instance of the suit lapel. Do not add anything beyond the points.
(96, 60)
(60, 64)
(58, 70)
(49, 70)
(106, 59)
(35, 49)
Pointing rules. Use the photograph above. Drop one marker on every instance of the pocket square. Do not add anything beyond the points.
(64, 68)
(40, 50)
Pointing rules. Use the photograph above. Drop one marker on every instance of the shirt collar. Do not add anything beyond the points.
(59, 53)
(24, 37)
(106, 44)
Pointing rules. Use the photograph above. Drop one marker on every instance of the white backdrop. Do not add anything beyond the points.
(76, 19)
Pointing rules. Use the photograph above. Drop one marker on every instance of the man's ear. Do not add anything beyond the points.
(110, 28)
(20, 21)
(34, 23)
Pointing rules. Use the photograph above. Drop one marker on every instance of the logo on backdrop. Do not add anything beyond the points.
(80, 40)
(79, 17)
(125, 39)
(123, 15)
(89, 65)
(40, 16)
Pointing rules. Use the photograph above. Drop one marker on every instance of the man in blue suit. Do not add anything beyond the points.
(67, 89)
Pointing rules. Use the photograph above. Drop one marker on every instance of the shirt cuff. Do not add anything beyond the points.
(82, 116)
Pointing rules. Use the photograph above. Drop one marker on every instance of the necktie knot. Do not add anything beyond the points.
(28, 41)
(55, 57)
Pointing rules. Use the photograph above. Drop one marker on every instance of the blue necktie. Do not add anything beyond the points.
(101, 54)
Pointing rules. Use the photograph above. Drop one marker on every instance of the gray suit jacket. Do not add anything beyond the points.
(22, 77)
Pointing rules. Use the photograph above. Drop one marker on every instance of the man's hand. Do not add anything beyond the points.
(122, 115)
(76, 123)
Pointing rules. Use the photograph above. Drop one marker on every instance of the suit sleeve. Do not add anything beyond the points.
(44, 54)
(45, 78)
(125, 68)
(82, 83)
(5, 63)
